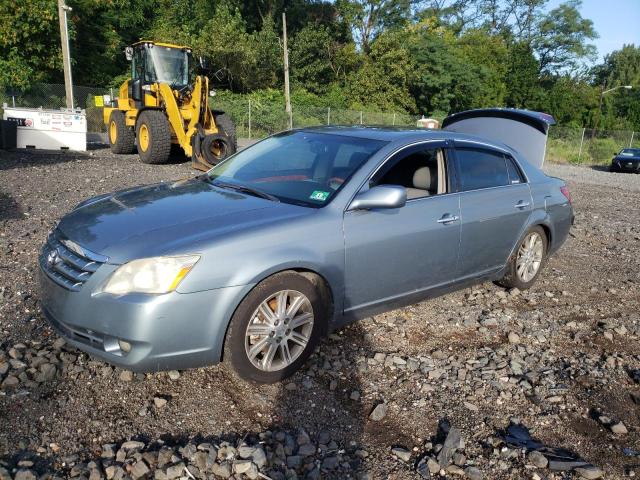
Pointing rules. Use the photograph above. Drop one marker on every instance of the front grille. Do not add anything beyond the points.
(68, 264)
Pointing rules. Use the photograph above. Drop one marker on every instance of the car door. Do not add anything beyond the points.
(495, 203)
(391, 253)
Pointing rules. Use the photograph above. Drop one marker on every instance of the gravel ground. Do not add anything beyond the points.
(449, 388)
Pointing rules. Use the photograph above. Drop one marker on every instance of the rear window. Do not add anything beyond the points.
(481, 169)
(515, 176)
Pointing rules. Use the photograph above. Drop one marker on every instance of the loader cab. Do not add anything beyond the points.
(159, 63)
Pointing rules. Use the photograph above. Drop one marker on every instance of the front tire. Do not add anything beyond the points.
(275, 328)
(154, 137)
(526, 263)
(122, 139)
(224, 123)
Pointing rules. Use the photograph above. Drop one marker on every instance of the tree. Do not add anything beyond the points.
(30, 49)
(382, 80)
(621, 67)
(368, 18)
(561, 38)
(522, 77)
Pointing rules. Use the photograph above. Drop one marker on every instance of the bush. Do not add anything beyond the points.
(602, 149)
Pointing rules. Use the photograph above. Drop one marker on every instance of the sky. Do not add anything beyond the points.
(616, 21)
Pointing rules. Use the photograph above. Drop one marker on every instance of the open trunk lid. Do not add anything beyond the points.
(523, 130)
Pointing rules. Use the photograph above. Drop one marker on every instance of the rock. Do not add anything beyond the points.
(259, 457)
(379, 412)
(47, 372)
(537, 459)
(294, 461)
(159, 402)
(619, 428)
(307, 450)
(221, 470)
(355, 395)
(25, 474)
(451, 443)
(433, 466)
(514, 338)
(10, 382)
(173, 374)
(59, 343)
(402, 453)
(242, 466)
(472, 472)
(139, 469)
(108, 450)
(126, 376)
(471, 406)
(455, 470)
(132, 445)
(590, 472)
(330, 463)
(176, 471)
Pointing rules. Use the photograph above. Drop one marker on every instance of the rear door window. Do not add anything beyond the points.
(480, 168)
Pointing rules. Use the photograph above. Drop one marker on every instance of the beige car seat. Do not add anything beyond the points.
(424, 183)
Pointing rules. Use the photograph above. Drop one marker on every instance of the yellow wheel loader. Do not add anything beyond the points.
(165, 103)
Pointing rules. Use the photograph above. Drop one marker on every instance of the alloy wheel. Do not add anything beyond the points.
(279, 330)
(529, 257)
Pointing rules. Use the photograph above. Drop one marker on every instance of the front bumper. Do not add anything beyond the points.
(623, 166)
(171, 331)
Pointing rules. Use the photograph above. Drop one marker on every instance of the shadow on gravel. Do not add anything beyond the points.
(25, 158)
(600, 168)
(9, 208)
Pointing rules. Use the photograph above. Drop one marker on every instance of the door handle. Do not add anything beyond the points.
(448, 219)
(522, 204)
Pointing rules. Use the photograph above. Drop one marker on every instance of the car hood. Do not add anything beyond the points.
(166, 218)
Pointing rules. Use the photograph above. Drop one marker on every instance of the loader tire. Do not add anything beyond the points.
(122, 139)
(224, 122)
(216, 147)
(154, 137)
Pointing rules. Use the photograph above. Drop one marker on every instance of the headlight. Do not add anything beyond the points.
(150, 275)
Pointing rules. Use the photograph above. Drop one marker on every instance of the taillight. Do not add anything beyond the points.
(565, 191)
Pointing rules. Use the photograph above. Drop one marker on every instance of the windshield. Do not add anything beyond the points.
(166, 65)
(630, 152)
(304, 168)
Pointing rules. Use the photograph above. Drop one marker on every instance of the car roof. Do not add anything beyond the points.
(399, 134)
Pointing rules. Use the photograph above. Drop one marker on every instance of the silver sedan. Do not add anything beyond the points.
(254, 261)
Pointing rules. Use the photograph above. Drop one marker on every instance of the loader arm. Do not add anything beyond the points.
(199, 112)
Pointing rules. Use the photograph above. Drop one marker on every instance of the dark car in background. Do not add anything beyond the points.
(627, 160)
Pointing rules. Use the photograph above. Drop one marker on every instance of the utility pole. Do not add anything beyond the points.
(287, 94)
(66, 58)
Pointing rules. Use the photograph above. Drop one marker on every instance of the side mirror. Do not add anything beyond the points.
(136, 89)
(382, 196)
(128, 53)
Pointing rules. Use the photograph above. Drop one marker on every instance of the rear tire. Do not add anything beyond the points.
(526, 263)
(281, 332)
(122, 139)
(154, 137)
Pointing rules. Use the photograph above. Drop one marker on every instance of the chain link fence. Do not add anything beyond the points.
(257, 119)
(586, 145)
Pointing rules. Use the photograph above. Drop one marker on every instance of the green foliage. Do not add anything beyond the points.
(30, 49)
(431, 57)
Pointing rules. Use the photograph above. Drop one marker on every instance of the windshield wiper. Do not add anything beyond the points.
(245, 189)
